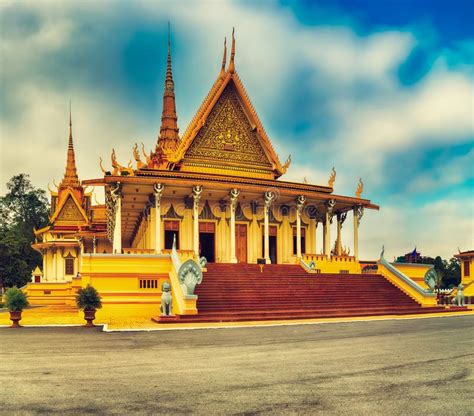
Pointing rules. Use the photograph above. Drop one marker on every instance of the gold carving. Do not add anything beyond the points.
(70, 211)
(227, 135)
(332, 178)
(360, 188)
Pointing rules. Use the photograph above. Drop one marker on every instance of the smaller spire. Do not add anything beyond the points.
(224, 59)
(70, 125)
(232, 54)
(70, 175)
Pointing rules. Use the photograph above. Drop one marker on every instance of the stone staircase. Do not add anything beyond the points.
(240, 292)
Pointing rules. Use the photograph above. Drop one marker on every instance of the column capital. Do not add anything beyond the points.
(269, 197)
(341, 217)
(197, 191)
(116, 192)
(300, 201)
(234, 195)
(358, 213)
(158, 190)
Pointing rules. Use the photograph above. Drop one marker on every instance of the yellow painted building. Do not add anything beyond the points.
(217, 189)
(466, 258)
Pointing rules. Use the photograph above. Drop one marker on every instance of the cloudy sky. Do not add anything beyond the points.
(382, 90)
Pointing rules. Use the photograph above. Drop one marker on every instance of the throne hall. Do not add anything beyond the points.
(214, 196)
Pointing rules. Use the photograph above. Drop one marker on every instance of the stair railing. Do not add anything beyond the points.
(404, 283)
(183, 278)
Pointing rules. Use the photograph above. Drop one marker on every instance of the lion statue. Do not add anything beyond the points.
(166, 300)
(459, 299)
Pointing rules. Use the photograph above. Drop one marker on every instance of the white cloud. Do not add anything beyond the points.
(270, 45)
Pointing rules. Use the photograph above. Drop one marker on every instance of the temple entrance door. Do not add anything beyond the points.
(272, 239)
(241, 242)
(207, 241)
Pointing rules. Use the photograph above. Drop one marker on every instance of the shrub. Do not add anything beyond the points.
(88, 298)
(15, 299)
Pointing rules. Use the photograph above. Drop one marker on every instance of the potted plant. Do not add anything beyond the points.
(88, 300)
(15, 301)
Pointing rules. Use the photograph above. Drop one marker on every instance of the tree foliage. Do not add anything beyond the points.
(22, 209)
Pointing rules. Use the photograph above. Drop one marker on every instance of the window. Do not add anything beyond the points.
(467, 270)
(303, 240)
(69, 265)
(171, 229)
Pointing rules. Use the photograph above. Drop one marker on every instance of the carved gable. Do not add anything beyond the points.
(227, 137)
(70, 211)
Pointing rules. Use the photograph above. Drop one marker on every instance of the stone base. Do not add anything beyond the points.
(161, 319)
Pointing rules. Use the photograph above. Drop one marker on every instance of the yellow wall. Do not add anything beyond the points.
(414, 271)
(117, 279)
(468, 281)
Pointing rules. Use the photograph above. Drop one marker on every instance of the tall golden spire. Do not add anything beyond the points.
(70, 175)
(232, 54)
(168, 138)
(224, 59)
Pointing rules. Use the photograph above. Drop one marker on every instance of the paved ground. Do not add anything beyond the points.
(421, 367)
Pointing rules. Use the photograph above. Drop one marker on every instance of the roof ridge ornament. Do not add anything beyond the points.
(360, 188)
(232, 54)
(332, 178)
(224, 59)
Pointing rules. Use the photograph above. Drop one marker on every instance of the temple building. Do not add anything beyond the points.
(216, 192)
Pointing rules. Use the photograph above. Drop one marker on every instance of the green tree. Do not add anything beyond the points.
(22, 209)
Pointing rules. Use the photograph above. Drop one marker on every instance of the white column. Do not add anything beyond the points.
(94, 245)
(158, 190)
(269, 197)
(358, 213)
(234, 194)
(315, 236)
(197, 190)
(117, 240)
(341, 217)
(327, 226)
(45, 262)
(55, 263)
(299, 207)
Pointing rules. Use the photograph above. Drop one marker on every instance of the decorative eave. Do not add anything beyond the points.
(170, 178)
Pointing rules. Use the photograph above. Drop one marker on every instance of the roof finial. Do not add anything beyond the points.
(70, 175)
(224, 59)
(169, 38)
(70, 124)
(232, 54)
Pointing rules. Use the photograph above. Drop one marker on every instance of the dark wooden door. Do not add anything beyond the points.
(241, 242)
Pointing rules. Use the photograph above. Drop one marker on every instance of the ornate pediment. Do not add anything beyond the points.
(70, 212)
(227, 137)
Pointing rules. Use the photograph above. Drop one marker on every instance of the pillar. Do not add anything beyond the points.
(269, 197)
(358, 213)
(341, 217)
(299, 208)
(45, 263)
(117, 239)
(94, 245)
(197, 190)
(158, 191)
(234, 194)
(315, 236)
(327, 226)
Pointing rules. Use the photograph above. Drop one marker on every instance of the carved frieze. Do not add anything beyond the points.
(228, 135)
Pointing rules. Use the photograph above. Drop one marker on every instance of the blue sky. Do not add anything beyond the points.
(382, 90)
